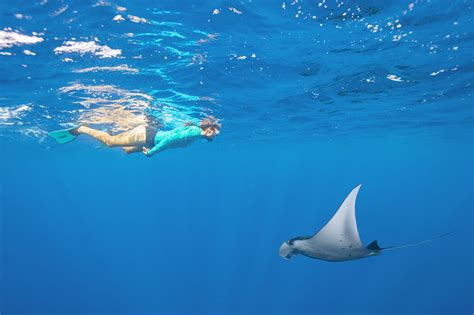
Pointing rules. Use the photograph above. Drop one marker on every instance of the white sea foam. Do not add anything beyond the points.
(59, 11)
(137, 19)
(20, 16)
(102, 4)
(34, 132)
(234, 10)
(120, 68)
(8, 115)
(133, 18)
(29, 52)
(118, 18)
(109, 4)
(434, 73)
(393, 77)
(10, 38)
(106, 91)
(103, 51)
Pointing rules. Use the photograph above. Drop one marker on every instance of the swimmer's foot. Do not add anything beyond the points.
(75, 131)
(65, 135)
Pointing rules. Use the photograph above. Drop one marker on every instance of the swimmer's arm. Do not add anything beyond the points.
(157, 148)
(164, 140)
(173, 136)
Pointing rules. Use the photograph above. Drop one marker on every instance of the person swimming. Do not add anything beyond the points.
(147, 138)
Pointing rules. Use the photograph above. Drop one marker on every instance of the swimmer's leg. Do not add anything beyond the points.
(132, 138)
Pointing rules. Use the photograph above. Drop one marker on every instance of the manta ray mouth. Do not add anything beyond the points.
(286, 251)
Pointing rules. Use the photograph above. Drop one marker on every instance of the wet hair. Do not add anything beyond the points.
(210, 122)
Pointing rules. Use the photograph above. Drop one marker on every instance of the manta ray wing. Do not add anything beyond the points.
(341, 230)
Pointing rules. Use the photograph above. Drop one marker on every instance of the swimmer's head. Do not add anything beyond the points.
(210, 127)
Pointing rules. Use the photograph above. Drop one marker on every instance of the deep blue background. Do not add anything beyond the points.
(197, 231)
(314, 100)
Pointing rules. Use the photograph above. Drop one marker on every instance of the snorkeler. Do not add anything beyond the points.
(146, 138)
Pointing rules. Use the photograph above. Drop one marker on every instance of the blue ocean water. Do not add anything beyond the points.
(314, 97)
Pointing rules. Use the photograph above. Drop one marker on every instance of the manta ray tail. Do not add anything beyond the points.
(407, 245)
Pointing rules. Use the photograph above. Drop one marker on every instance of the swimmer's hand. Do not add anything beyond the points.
(146, 151)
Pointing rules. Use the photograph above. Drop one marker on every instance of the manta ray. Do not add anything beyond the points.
(339, 239)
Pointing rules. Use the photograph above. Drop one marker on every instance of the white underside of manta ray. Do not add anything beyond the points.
(338, 240)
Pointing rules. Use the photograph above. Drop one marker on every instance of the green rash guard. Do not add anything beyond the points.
(179, 137)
